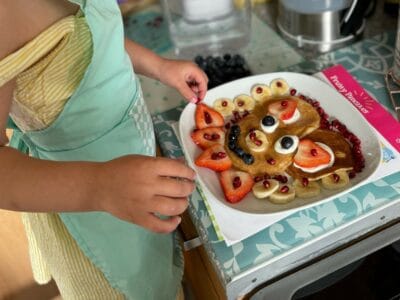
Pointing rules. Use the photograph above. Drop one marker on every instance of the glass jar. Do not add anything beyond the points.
(207, 27)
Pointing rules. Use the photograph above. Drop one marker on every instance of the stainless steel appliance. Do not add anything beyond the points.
(323, 25)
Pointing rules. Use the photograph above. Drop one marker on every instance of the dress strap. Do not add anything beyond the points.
(20, 60)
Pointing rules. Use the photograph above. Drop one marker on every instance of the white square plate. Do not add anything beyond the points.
(330, 100)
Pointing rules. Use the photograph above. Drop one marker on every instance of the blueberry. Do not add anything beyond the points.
(239, 152)
(212, 81)
(231, 63)
(218, 82)
(227, 56)
(232, 145)
(213, 66)
(203, 65)
(268, 120)
(232, 137)
(228, 71)
(248, 159)
(219, 61)
(219, 73)
(286, 142)
(238, 71)
(239, 59)
(235, 129)
(199, 59)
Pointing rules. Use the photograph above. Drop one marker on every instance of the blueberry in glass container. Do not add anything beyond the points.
(222, 69)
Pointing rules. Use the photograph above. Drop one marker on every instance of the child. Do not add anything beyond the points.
(102, 208)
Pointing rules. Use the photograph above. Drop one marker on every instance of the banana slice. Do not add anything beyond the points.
(260, 92)
(340, 154)
(257, 141)
(224, 106)
(312, 189)
(284, 194)
(243, 103)
(265, 188)
(279, 87)
(337, 180)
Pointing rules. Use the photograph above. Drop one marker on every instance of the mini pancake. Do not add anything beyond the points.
(341, 149)
(309, 121)
(309, 118)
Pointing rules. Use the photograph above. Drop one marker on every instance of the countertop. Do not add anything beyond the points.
(276, 248)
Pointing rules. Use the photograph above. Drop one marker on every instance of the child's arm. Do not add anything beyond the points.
(133, 188)
(184, 76)
(33, 185)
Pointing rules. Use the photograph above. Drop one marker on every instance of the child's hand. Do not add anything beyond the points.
(140, 188)
(186, 77)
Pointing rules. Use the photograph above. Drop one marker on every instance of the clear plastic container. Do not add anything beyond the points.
(199, 27)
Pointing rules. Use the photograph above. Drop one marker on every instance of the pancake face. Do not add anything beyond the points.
(278, 145)
(308, 121)
(270, 161)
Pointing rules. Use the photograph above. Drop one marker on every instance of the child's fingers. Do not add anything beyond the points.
(201, 86)
(172, 187)
(173, 168)
(158, 225)
(194, 87)
(166, 206)
(185, 88)
(198, 84)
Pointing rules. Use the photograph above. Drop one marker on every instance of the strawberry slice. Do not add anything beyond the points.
(209, 136)
(283, 109)
(214, 158)
(235, 184)
(310, 155)
(206, 116)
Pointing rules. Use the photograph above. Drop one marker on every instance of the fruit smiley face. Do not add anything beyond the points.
(284, 138)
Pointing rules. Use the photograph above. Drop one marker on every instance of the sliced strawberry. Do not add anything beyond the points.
(214, 158)
(283, 109)
(209, 136)
(235, 184)
(310, 155)
(206, 116)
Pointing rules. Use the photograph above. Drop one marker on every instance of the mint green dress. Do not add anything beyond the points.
(105, 118)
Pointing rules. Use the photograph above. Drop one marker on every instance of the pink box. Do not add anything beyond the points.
(371, 109)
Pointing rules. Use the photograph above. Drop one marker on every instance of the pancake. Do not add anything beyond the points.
(309, 118)
(308, 121)
(341, 149)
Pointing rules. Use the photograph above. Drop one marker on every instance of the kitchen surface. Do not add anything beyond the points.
(351, 235)
(276, 261)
